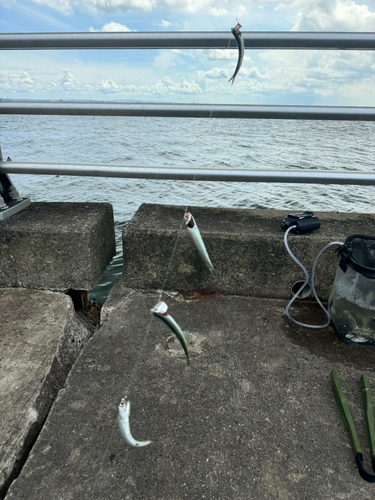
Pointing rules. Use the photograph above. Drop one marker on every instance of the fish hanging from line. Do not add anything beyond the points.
(241, 49)
(123, 423)
(195, 235)
(160, 311)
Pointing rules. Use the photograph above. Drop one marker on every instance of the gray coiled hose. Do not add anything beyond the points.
(306, 281)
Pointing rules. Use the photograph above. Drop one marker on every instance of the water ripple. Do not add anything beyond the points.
(255, 144)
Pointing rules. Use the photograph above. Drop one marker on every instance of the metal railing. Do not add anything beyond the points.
(191, 174)
(189, 40)
(190, 110)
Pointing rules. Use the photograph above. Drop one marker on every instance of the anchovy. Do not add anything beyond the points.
(241, 49)
(123, 422)
(193, 231)
(160, 311)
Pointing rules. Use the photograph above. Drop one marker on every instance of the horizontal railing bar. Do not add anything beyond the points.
(187, 40)
(190, 174)
(189, 110)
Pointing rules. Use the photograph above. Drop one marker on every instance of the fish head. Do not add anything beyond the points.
(237, 28)
(189, 220)
(122, 407)
(160, 308)
(187, 217)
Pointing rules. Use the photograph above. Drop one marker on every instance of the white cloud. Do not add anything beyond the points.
(112, 26)
(194, 53)
(213, 73)
(190, 6)
(218, 11)
(7, 3)
(251, 79)
(184, 87)
(211, 54)
(322, 76)
(68, 82)
(164, 87)
(165, 24)
(109, 87)
(333, 15)
(330, 74)
(358, 89)
(222, 54)
(65, 6)
(254, 73)
(17, 82)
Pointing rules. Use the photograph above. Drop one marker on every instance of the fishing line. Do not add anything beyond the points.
(140, 351)
(238, 6)
(173, 251)
(137, 363)
(113, 426)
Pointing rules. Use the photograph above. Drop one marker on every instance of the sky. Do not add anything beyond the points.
(333, 78)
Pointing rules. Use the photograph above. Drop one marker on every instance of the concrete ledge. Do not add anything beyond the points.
(246, 248)
(252, 417)
(40, 338)
(56, 246)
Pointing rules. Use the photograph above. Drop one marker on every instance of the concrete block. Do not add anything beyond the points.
(40, 338)
(56, 246)
(252, 417)
(246, 248)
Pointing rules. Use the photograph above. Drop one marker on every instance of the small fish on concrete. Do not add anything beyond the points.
(161, 312)
(123, 422)
(195, 235)
(241, 49)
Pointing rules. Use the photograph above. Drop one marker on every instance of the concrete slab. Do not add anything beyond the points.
(56, 246)
(40, 338)
(246, 248)
(252, 417)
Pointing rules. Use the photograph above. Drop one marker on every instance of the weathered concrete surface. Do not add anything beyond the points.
(246, 248)
(56, 246)
(40, 338)
(253, 417)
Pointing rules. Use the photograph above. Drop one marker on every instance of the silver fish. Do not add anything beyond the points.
(241, 49)
(195, 235)
(123, 422)
(160, 311)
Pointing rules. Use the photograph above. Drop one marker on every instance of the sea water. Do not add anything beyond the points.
(189, 142)
(352, 306)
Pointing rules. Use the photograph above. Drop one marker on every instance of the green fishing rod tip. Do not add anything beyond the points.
(345, 413)
(369, 416)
